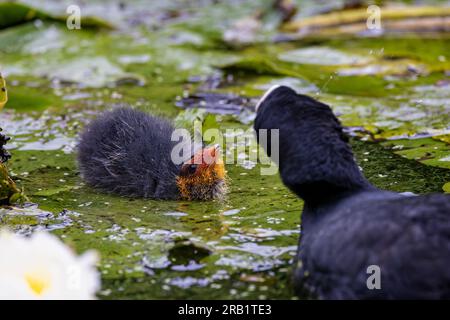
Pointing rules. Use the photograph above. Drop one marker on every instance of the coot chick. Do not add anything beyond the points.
(349, 227)
(128, 152)
(4, 154)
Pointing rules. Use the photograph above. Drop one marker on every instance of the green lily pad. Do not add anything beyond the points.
(3, 92)
(53, 191)
(446, 187)
(90, 71)
(428, 151)
(9, 192)
(322, 56)
(13, 13)
(243, 247)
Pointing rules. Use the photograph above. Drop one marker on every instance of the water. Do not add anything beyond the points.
(243, 246)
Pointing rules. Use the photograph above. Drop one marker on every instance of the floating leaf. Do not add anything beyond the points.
(9, 193)
(336, 20)
(53, 191)
(243, 31)
(443, 138)
(92, 72)
(12, 14)
(188, 117)
(259, 65)
(215, 103)
(446, 187)
(322, 56)
(427, 151)
(3, 92)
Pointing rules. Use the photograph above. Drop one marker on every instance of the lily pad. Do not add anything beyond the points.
(3, 92)
(355, 20)
(13, 13)
(322, 56)
(243, 246)
(216, 103)
(428, 151)
(446, 187)
(92, 72)
(9, 192)
(298, 84)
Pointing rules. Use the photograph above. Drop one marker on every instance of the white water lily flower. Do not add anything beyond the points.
(43, 267)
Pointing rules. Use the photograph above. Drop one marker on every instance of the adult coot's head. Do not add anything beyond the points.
(314, 158)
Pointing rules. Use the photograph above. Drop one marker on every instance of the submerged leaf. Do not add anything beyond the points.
(186, 251)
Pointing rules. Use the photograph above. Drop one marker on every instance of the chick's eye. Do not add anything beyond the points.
(192, 168)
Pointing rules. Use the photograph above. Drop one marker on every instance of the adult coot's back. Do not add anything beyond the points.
(353, 232)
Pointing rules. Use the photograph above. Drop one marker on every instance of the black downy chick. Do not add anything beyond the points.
(128, 152)
(4, 154)
(349, 227)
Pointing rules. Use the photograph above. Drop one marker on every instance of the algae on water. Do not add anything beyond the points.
(172, 59)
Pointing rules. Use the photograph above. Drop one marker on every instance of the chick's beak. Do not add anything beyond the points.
(211, 154)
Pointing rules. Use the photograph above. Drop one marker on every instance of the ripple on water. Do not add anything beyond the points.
(29, 218)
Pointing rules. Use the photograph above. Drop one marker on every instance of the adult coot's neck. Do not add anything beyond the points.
(315, 159)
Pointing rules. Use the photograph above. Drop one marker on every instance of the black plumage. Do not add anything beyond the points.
(348, 224)
(4, 154)
(127, 152)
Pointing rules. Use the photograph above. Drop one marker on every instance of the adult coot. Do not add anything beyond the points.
(357, 242)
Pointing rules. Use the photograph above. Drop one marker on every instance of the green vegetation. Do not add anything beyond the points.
(392, 91)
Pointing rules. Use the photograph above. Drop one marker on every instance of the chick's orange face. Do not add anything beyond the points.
(203, 176)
